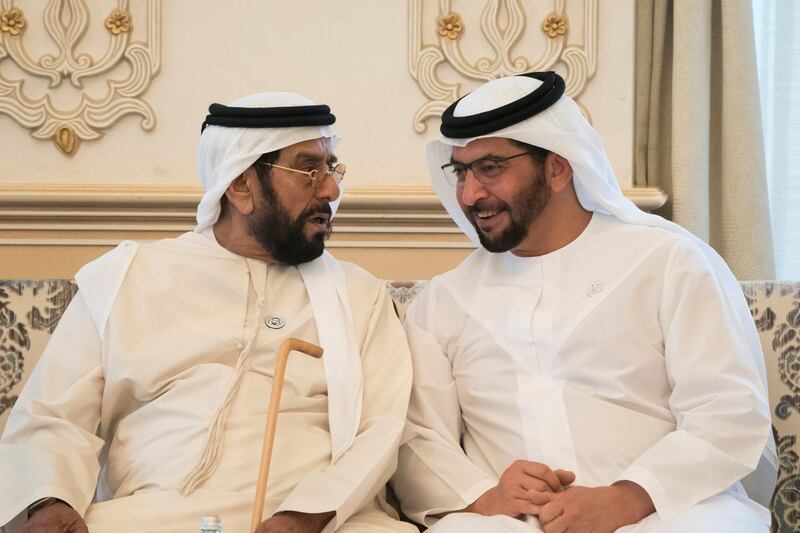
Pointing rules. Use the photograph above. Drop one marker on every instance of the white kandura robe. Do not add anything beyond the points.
(613, 357)
(143, 398)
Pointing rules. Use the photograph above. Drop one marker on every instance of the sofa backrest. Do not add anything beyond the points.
(30, 310)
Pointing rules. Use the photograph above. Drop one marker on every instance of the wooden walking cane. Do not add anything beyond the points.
(287, 346)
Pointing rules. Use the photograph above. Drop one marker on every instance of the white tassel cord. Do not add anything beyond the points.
(212, 451)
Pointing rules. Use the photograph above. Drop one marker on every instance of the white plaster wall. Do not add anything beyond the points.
(350, 54)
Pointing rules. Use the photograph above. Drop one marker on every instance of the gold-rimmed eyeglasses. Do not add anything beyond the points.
(316, 175)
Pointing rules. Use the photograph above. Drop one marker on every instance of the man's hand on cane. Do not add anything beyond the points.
(292, 522)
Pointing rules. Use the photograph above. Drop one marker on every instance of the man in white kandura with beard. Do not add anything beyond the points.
(147, 409)
(592, 368)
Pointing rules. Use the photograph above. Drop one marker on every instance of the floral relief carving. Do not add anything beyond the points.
(555, 25)
(450, 25)
(502, 25)
(119, 22)
(12, 22)
(65, 24)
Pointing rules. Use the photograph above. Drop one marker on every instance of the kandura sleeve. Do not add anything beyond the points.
(718, 399)
(434, 474)
(50, 447)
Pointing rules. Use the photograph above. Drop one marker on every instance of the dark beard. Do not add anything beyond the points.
(524, 210)
(284, 239)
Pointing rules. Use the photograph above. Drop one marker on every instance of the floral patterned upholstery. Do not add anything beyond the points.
(776, 310)
(30, 310)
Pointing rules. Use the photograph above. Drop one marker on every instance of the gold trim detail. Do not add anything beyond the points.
(66, 140)
(502, 24)
(450, 25)
(119, 22)
(555, 25)
(65, 23)
(13, 22)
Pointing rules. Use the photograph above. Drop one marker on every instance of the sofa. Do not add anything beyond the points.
(30, 310)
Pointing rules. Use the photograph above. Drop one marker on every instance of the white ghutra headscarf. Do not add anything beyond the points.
(225, 152)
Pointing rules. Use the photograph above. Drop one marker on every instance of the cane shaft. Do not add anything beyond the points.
(272, 419)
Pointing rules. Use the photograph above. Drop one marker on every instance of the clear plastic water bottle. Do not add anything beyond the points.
(210, 524)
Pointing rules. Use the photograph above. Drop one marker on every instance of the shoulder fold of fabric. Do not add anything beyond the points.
(326, 285)
(100, 280)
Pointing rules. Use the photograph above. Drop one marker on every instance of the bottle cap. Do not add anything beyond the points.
(210, 522)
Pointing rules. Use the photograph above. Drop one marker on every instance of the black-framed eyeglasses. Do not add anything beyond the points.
(317, 175)
(486, 171)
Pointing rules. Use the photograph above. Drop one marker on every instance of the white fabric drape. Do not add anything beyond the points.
(777, 30)
(698, 125)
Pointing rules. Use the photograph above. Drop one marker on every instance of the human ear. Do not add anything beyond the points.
(241, 194)
(558, 172)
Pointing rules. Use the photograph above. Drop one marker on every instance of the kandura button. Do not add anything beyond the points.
(274, 322)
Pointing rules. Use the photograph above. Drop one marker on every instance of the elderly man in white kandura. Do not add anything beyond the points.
(592, 368)
(148, 407)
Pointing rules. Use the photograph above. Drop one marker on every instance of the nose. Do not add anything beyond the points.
(472, 190)
(327, 189)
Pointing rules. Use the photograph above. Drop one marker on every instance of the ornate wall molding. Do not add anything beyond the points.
(66, 23)
(426, 59)
(373, 217)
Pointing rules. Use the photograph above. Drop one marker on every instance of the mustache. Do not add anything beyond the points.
(321, 208)
(487, 205)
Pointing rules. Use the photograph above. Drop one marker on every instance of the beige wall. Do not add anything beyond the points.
(137, 179)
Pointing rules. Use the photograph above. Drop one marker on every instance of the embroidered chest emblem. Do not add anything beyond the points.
(594, 289)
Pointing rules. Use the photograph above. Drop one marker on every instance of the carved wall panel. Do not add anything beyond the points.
(77, 91)
(433, 63)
